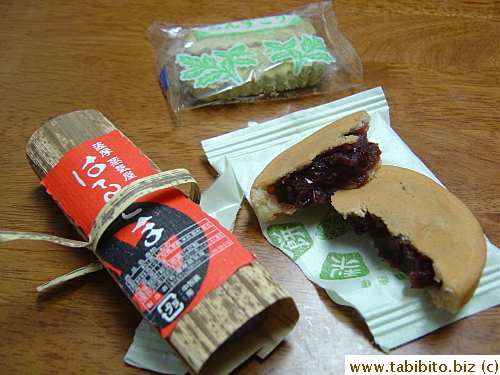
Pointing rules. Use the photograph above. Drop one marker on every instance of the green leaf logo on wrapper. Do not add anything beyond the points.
(339, 266)
(332, 225)
(292, 238)
(218, 66)
(248, 26)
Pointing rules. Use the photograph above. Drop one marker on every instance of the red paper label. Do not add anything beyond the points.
(163, 250)
(89, 175)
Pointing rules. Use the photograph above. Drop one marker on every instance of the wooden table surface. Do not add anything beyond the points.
(436, 60)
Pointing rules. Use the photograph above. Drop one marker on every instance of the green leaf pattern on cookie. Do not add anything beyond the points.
(301, 53)
(217, 66)
(222, 66)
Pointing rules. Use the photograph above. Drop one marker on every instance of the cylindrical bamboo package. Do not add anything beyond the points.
(247, 313)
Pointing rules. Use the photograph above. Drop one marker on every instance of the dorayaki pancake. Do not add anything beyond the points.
(420, 228)
(338, 156)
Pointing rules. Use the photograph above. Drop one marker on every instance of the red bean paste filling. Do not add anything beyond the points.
(344, 166)
(399, 253)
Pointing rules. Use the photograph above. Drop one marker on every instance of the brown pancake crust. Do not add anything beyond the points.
(434, 220)
(299, 156)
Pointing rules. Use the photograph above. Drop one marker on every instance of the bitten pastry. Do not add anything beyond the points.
(338, 156)
(420, 228)
(251, 58)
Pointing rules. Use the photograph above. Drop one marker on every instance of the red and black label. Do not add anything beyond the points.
(163, 250)
(160, 256)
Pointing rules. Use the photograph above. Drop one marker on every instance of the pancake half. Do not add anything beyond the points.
(420, 228)
(338, 156)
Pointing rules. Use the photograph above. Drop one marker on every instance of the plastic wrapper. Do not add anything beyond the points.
(291, 54)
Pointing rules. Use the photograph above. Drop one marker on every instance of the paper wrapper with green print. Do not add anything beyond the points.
(319, 241)
(254, 59)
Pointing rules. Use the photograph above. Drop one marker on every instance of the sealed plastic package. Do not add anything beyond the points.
(292, 54)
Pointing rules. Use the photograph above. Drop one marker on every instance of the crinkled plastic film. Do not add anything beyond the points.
(292, 54)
